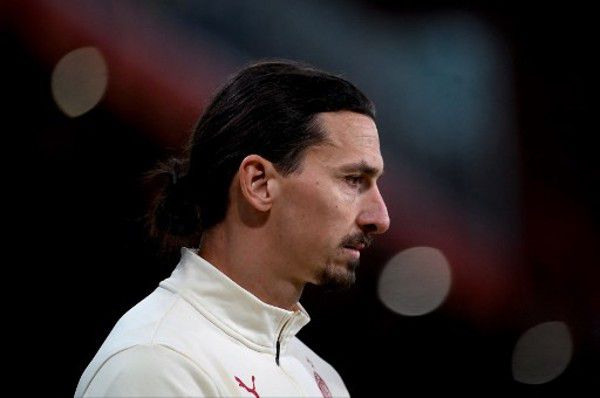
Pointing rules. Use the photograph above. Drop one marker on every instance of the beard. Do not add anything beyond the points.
(336, 278)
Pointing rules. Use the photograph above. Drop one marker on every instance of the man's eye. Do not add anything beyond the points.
(354, 180)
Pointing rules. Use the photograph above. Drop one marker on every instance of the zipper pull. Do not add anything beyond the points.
(277, 354)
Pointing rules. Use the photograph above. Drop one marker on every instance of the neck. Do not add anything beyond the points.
(250, 261)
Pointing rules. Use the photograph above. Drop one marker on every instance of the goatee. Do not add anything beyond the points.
(336, 278)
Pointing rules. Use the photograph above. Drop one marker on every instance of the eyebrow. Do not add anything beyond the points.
(363, 167)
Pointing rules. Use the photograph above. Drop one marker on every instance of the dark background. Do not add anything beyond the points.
(82, 258)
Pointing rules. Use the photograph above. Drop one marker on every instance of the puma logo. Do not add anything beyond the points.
(250, 390)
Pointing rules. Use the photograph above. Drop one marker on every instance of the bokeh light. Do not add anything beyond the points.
(79, 81)
(415, 281)
(542, 353)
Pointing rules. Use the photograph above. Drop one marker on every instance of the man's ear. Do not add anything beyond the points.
(258, 181)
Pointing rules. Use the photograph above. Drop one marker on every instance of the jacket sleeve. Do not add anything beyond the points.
(150, 371)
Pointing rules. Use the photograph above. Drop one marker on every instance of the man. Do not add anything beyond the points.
(277, 188)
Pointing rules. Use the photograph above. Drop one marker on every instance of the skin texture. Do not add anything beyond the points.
(283, 232)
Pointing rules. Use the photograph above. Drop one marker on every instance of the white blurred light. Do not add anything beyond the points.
(415, 281)
(79, 81)
(542, 353)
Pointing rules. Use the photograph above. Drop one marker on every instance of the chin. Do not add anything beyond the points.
(338, 276)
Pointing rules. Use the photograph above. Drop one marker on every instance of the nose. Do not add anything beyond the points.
(373, 217)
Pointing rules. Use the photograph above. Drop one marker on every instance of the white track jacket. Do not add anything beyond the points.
(200, 334)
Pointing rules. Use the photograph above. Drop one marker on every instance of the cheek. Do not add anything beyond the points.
(318, 213)
(320, 202)
(324, 213)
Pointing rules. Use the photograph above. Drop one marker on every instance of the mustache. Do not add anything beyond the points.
(358, 238)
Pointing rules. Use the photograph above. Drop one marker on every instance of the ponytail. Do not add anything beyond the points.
(174, 215)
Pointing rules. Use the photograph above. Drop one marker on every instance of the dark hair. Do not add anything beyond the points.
(268, 108)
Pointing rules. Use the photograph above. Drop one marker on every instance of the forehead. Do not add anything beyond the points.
(350, 138)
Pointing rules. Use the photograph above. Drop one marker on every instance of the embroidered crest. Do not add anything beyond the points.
(320, 382)
(250, 390)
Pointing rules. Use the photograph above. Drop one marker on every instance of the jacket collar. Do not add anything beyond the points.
(230, 307)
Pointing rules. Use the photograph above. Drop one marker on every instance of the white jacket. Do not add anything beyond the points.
(201, 334)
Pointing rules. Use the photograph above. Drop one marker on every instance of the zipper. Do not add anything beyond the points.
(277, 353)
(278, 343)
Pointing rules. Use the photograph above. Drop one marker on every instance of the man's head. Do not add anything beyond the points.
(322, 215)
(313, 136)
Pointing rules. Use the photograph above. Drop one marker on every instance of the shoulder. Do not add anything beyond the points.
(150, 369)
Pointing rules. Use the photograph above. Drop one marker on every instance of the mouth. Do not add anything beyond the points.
(355, 246)
(354, 250)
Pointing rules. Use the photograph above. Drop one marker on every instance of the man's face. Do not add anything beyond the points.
(332, 206)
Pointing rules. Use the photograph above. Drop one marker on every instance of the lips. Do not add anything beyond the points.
(357, 246)
(352, 252)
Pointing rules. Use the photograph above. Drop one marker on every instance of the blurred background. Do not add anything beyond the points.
(487, 281)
